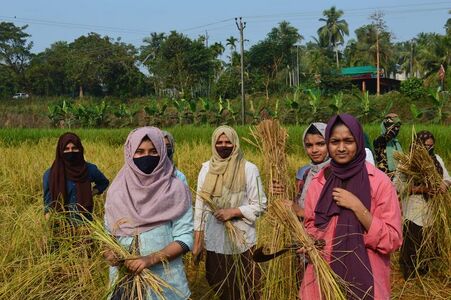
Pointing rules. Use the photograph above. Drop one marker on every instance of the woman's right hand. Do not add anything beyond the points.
(198, 246)
(111, 258)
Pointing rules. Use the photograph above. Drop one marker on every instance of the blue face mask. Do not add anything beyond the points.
(147, 163)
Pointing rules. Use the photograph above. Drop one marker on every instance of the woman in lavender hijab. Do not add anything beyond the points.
(353, 207)
(149, 207)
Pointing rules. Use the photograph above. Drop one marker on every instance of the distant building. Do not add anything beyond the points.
(365, 78)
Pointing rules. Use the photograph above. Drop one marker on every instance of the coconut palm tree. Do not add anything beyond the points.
(334, 30)
(231, 42)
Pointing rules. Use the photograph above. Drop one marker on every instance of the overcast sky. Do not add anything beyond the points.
(60, 20)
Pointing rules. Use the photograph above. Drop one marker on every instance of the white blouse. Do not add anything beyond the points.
(252, 206)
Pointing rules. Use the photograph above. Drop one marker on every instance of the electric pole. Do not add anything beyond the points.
(379, 24)
(241, 25)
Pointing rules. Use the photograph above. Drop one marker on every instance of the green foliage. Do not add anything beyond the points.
(337, 105)
(125, 115)
(416, 112)
(413, 87)
(439, 99)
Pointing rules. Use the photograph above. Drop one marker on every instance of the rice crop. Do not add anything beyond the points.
(30, 270)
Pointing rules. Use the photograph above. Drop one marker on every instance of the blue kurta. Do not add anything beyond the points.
(94, 175)
(155, 240)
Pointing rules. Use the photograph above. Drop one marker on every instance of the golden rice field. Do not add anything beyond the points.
(29, 270)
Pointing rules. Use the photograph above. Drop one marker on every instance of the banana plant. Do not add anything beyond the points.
(202, 114)
(155, 112)
(365, 105)
(314, 97)
(218, 112)
(62, 114)
(293, 107)
(416, 112)
(125, 115)
(180, 106)
(337, 105)
(233, 113)
(439, 99)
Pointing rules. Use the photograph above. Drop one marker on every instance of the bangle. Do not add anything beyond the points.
(365, 212)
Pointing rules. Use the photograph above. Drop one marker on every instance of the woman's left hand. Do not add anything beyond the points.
(226, 214)
(345, 199)
(137, 265)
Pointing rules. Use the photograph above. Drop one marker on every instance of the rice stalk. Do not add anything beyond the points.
(280, 226)
(416, 168)
(146, 280)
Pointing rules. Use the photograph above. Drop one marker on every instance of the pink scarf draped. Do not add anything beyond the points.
(137, 202)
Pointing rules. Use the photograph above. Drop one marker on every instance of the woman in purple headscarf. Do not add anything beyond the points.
(147, 205)
(354, 208)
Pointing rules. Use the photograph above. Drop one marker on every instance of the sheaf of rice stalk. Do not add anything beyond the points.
(132, 286)
(280, 226)
(236, 238)
(279, 275)
(417, 168)
(234, 234)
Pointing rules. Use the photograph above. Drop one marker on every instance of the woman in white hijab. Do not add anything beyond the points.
(316, 148)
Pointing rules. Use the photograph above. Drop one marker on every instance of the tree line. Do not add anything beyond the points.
(183, 67)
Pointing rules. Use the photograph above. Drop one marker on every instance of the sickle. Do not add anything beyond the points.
(260, 256)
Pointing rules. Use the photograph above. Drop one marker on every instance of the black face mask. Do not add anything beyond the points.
(73, 158)
(147, 163)
(224, 152)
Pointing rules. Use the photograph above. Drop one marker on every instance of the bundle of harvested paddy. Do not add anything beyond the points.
(416, 168)
(280, 226)
(128, 285)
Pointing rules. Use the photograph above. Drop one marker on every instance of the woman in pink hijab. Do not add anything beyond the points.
(149, 207)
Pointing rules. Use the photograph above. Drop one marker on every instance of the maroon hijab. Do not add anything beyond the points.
(75, 170)
(349, 257)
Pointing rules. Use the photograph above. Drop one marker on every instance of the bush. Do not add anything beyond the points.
(413, 87)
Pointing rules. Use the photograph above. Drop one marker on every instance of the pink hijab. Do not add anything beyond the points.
(137, 202)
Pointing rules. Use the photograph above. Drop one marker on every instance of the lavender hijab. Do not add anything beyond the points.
(349, 257)
(137, 202)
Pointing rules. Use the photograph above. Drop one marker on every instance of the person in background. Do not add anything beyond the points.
(353, 207)
(68, 182)
(415, 211)
(387, 143)
(368, 150)
(234, 186)
(148, 208)
(170, 146)
(316, 149)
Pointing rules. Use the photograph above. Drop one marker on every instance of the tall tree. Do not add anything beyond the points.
(15, 51)
(334, 30)
(270, 56)
(183, 63)
(231, 42)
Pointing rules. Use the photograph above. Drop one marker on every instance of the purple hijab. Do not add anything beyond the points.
(349, 257)
(137, 202)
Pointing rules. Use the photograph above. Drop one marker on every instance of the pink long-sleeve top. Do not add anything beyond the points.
(383, 237)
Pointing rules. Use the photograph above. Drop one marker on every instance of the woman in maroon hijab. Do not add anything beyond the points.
(68, 183)
(354, 208)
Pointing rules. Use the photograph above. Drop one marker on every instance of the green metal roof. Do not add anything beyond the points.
(358, 70)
